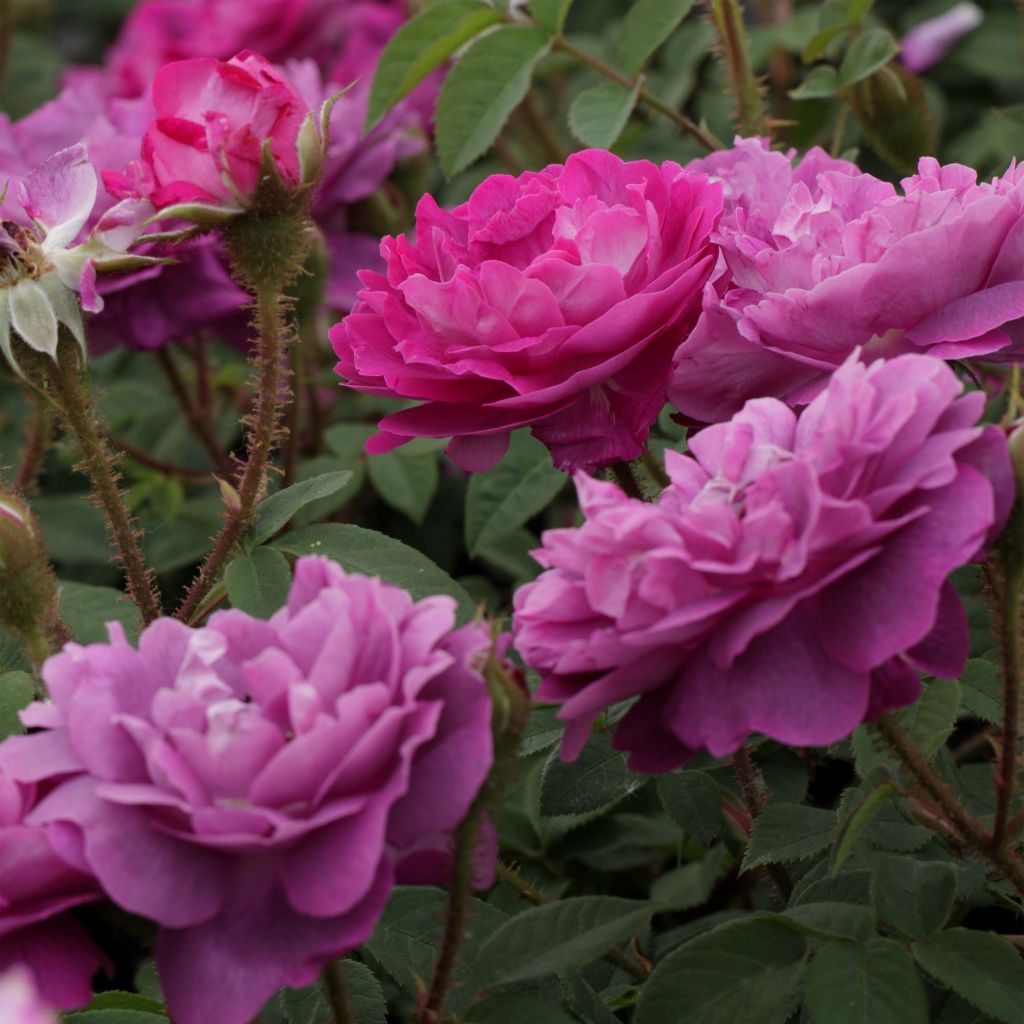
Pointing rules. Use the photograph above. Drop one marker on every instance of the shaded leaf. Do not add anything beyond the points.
(258, 582)
(788, 832)
(598, 114)
(86, 610)
(275, 512)
(405, 480)
(16, 692)
(647, 24)
(595, 781)
(870, 51)
(691, 799)
(913, 896)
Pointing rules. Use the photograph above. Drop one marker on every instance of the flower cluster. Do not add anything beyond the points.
(821, 258)
(254, 787)
(553, 300)
(791, 580)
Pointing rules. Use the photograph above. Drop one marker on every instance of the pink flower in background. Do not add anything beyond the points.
(144, 308)
(930, 40)
(212, 120)
(553, 300)
(820, 259)
(257, 788)
(40, 883)
(791, 580)
(20, 1003)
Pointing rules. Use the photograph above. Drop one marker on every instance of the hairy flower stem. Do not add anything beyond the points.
(270, 388)
(755, 796)
(194, 414)
(38, 432)
(456, 919)
(336, 987)
(751, 115)
(1011, 549)
(681, 121)
(74, 404)
(538, 897)
(968, 829)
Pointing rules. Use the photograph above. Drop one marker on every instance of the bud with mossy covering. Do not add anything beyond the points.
(28, 589)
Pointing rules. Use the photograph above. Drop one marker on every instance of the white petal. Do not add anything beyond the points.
(33, 317)
(65, 305)
(59, 194)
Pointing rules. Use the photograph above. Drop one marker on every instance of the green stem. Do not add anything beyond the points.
(74, 404)
(751, 115)
(968, 829)
(270, 388)
(755, 796)
(432, 1011)
(839, 129)
(38, 432)
(681, 121)
(336, 987)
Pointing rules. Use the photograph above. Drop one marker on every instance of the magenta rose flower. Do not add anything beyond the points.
(39, 885)
(20, 1002)
(212, 120)
(791, 580)
(553, 300)
(820, 259)
(256, 787)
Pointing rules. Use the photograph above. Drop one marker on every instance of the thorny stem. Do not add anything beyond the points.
(336, 987)
(197, 419)
(508, 874)
(755, 796)
(681, 121)
(270, 389)
(969, 830)
(432, 1011)
(100, 464)
(38, 432)
(727, 16)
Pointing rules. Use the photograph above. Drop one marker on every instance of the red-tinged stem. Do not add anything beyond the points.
(336, 987)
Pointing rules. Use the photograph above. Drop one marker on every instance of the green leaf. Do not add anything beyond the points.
(691, 799)
(543, 730)
(365, 551)
(518, 1008)
(981, 691)
(830, 920)
(116, 1000)
(854, 823)
(648, 23)
(595, 781)
(274, 513)
(586, 1004)
(86, 610)
(423, 43)
(309, 1005)
(258, 582)
(16, 692)
(550, 14)
(598, 114)
(870, 51)
(857, 10)
(505, 497)
(820, 83)
(978, 966)
(819, 42)
(876, 983)
(913, 896)
(547, 939)
(691, 885)
(407, 940)
(114, 1016)
(488, 83)
(405, 480)
(747, 970)
(785, 832)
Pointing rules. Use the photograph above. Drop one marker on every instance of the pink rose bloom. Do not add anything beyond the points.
(553, 300)
(930, 40)
(39, 885)
(820, 259)
(257, 788)
(791, 580)
(147, 308)
(20, 1003)
(212, 119)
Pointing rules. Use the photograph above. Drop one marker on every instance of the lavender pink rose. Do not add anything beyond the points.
(553, 300)
(819, 258)
(791, 580)
(256, 788)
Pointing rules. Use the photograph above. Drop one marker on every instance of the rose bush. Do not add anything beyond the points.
(791, 580)
(822, 258)
(553, 300)
(257, 788)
